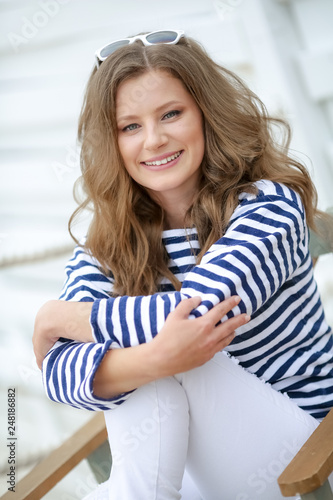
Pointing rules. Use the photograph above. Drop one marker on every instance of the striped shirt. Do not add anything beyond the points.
(263, 257)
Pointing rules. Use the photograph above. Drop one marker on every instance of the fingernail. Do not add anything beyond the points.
(247, 317)
(237, 299)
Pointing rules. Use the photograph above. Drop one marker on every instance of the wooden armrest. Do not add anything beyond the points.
(312, 465)
(60, 461)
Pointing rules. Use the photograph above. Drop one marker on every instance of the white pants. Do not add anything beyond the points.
(233, 434)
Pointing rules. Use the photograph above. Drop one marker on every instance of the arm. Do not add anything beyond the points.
(69, 317)
(57, 319)
(181, 345)
(265, 243)
(246, 260)
(90, 376)
(93, 377)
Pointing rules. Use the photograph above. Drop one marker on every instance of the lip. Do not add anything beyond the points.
(160, 158)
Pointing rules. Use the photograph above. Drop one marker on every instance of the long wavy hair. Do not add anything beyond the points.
(240, 148)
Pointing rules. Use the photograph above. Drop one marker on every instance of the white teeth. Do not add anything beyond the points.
(164, 161)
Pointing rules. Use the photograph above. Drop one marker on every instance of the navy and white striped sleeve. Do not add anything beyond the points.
(69, 367)
(68, 373)
(85, 282)
(265, 243)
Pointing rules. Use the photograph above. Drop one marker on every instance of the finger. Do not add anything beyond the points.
(184, 308)
(225, 341)
(221, 309)
(228, 327)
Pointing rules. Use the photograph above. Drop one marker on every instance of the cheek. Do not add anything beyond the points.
(195, 131)
(122, 146)
(127, 150)
(129, 153)
(198, 141)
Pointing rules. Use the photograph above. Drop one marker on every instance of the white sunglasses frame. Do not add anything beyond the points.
(99, 59)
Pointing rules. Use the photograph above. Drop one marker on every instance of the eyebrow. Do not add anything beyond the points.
(158, 109)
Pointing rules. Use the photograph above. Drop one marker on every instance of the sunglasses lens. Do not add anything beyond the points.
(112, 47)
(162, 37)
(156, 37)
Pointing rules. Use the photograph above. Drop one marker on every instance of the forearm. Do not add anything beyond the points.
(69, 320)
(130, 321)
(123, 370)
(89, 375)
(56, 319)
(181, 345)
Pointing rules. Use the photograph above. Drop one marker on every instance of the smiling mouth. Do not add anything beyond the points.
(164, 161)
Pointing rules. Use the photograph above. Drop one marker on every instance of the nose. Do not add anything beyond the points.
(154, 138)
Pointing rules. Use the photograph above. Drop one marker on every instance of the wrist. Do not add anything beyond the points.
(70, 320)
(45, 325)
(124, 370)
(76, 321)
(157, 365)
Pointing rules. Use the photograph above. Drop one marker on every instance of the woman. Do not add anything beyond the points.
(174, 145)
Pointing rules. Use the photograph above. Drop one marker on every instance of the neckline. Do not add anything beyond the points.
(169, 233)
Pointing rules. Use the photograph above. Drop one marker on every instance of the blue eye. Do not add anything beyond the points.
(171, 114)
(129, 128)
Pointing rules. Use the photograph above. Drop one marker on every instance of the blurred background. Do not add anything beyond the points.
(282, 49)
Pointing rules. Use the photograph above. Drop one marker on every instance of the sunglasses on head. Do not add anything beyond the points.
(170, 37)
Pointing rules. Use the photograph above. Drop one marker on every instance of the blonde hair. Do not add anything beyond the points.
(125, 232)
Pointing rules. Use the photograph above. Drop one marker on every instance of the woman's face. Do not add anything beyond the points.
(160, 136)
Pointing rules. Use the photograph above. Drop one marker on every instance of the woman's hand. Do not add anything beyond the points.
(57, 319)
(183, 344)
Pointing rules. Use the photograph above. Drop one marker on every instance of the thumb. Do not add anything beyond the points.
(186, 306)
